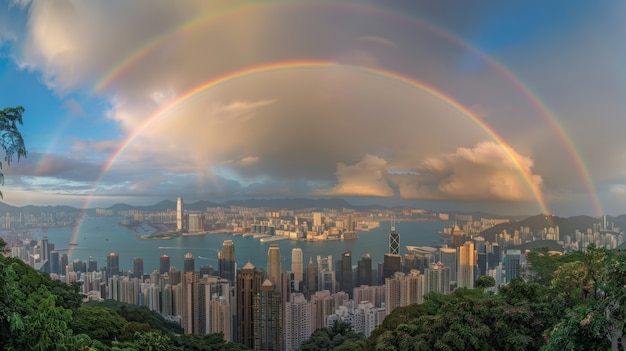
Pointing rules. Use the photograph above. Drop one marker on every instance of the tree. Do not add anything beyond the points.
(485, 281)
(11, 139)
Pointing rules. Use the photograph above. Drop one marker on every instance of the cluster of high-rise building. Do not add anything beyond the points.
(278, 307)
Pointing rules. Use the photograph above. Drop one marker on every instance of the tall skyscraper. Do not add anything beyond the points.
(92, 265)
(467, 263)
(512, 264)
(164, 264)
(179, 214)
(346, 273)
(113, 264)
(63, 264)
(402, 290)
(248, 286)
(273, 264)
(45, 250)
(326, 275)
(311, 278)
(394, 241)
(391, 263)
(54, 262)
(364, 270)
(449, 257)
(138, 268)
(296, 266)
(268, 318)
(189, 265)
(226, 261)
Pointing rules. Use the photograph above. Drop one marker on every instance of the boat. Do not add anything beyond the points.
(73, 243)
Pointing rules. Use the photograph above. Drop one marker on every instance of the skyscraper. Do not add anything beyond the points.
(449, 257)
(138, 268)
(179, 214)
(189, 265)
(467, 262)
(364, 270)
(346, 273)
(512, 264)
(296, 266)
(164, 264)
(226, 261)
(54, 262)
(273, 264)
(326, 275)
(113, 264)
(311, 278)
(394, 241)
(391, 263)
(248, 285)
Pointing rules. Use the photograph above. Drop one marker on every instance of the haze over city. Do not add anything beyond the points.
(508, 107)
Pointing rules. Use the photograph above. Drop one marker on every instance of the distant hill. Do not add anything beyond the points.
(566, 226)
(30, 209)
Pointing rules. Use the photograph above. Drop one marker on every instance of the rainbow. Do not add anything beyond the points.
(229, 77)
(212, 17)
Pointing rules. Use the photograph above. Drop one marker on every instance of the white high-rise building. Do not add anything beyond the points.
(179, 213)
(297, 322)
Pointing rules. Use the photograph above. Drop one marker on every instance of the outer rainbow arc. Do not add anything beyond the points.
(209, 18)
(162, 112)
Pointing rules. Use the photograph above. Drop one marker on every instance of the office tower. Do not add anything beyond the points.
(226, 261)
(164, 264)
(512, 264)
(325, 274)
(391, 263)
(437, 279)
(63, 264)
(45, 249)
(113, 264)
(179, 214)
(189, 265)
(402, 290)
(296, 266)
(467, 263)
(346, 272)
(449, 257)
(54, 262)
(394, 241)
(311, 278)
(297, 322)
(138, 268)
(248, 286)
(92, 265)
(268, 318)
(273, 264)
(364, 270)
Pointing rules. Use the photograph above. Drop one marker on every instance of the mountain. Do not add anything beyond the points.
(567, 226)
(35, 210)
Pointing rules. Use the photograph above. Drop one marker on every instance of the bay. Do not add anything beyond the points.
(98, 236)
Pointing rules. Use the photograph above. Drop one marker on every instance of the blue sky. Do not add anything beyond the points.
(345, 127)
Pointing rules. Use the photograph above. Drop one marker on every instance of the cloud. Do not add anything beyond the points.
(365, 178)
(376, 40)
(74, 107)
(484, 172)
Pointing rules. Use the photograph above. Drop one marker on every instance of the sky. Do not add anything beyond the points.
(510, 107)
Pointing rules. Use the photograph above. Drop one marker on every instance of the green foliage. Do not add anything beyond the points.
(11, 140)
(207, 342)
(100, 323)
(331, 337)
(485, 281)
(140, 314)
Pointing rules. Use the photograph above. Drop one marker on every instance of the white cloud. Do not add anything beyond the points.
(365, 178)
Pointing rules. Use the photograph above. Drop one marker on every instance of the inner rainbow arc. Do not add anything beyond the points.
(163, 111)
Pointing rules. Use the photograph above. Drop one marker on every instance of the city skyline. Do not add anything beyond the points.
(508, 108)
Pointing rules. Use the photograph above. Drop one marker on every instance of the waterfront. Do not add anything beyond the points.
(98, 236)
